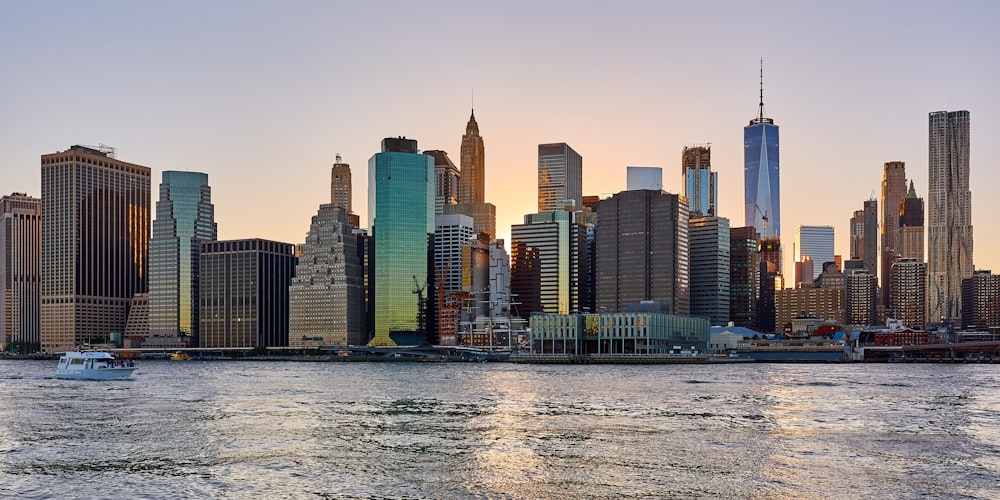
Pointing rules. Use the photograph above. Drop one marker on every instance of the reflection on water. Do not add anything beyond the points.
(356, 430)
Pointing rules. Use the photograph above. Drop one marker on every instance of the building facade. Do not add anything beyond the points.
(824, 303)
(95, 244)
(949, 214)
(446, 181)
(864, 236)
(744, 280)
(326, 299)
(911, 226)
(20, 271)
(637, 178)
(817, 242)
(641, 248)
(761, 175)
(710, 268)
(908, 298)
(340, 185)
(401, 215)
(981, 301)
(621, 334)
(560, 177)
(185, 218)
(547, 263)
(861, 299)
(244, 293)
(893, 193)
(472, 186)
(700, 182)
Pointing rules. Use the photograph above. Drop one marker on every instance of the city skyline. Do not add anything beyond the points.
(198, 104)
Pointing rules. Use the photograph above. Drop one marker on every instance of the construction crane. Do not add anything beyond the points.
(763, 218)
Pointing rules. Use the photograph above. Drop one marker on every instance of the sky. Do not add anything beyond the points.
(263, 95)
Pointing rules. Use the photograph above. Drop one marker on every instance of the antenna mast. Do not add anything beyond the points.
(760, 112)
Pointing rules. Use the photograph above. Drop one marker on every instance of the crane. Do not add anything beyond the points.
(763, 218)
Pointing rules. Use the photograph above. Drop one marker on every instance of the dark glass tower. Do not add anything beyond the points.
(185, 217)
(762, 193)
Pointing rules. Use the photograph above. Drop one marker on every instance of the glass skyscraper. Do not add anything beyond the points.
(816, 242)
(700, 183)
(762, 193)
(185, 217)
(560, 177)
(401, 215)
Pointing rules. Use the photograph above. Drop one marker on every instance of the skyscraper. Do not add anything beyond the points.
(744, 278)
(326, 300)
(472, 185)
(893, 192)
(560, 177)
(709, 268)
(547, 262)
(401, 215)
(95, 244)
(700, 183)
(911, 226)
(864, 242)
(244, 293)
(641, 250)
(817, 243)
(908, 293)
(762, 193)
(20, 270)
(446, 181)
(185, 217)
(949, 214)
(861, 298)
(981, 300)
(340, 185)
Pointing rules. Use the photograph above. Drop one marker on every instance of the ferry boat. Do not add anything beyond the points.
(179, 356)
(93, 365)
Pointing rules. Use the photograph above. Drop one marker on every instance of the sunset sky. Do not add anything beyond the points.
(263, 95)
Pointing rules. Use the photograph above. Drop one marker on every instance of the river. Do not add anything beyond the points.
(248, 429)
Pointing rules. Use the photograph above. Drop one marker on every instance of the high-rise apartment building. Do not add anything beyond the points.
(472, 186)
(185, 218)
(861, 298)
(762, 195)
(911, 226)
(981, 301)
(908, 297)
(641, 249)
(709, 268)
(244, 293)
(744, 278)
(817, 243)
(560, 177)
(824, 303)
(401, 215)
(546, 262)
(20, 271)
(949, 214)
(700, 183)
(893, 193)
(95, 244)
(864, 239)
(340, 185)
(446, 181)
(643, 178)
(326, 300)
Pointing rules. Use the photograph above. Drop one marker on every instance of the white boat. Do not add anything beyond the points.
(93, 365)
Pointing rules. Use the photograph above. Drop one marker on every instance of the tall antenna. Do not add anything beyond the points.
(760, 112)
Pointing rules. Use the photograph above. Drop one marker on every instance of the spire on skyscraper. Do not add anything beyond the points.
(912, 193)
(760, 111)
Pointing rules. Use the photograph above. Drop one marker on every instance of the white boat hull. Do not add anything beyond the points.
(95, 374)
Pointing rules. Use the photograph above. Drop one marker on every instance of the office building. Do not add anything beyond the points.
(452, 233)
(637, 178)
(744, 278)
(893, 193)
(864, 231)
(700, 183)
(709, 268)
(762, 196)
(95, 244)
(484, 216)
(185, 218)
(20, 272)
(446, 181)
(546, 272)
(908, 299)
(244, 293)
(641, 248)
(949, 214)
(802, 274)
(981, 301)
(401, 215)
(911, 226)
(326, 300)
(472, 186)
(815, 242)
(560, 177)
(340, 185)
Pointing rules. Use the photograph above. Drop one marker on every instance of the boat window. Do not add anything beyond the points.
(76, 361)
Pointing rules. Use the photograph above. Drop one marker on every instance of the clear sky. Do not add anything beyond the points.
(262, 95)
